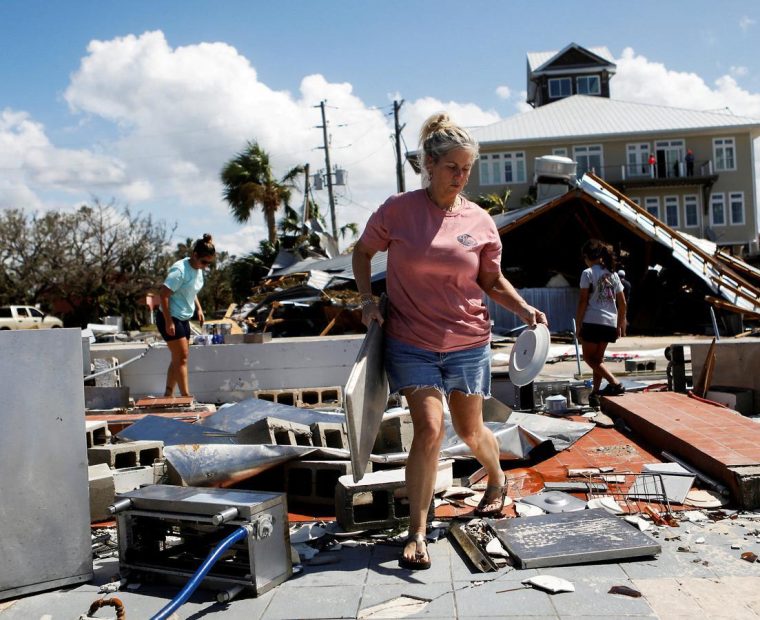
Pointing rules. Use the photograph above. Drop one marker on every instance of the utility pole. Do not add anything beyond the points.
(323, 126)
(306, 215)
(399, 164)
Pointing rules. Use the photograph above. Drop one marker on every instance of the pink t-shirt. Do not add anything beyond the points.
(434, 258)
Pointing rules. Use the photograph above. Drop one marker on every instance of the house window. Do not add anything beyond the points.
(560, 152)
(671, 211)
(589, 159)
(560, 87)
(718, 209)
(636, 200)
(490, 169)
(514, 167)
(637, 157)
(588, 85)
(691, 211)
(502, 168)
(736, 207)
(724, 152)
(652, 205)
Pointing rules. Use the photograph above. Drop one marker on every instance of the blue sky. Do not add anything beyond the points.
(142, 102)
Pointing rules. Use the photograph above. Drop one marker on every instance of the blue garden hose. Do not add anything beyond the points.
(198, 576)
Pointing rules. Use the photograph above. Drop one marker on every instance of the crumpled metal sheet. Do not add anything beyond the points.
(562, 433)
(225, 465)
(174, 432)
(516, 437)
(245, 412)
(221, 465)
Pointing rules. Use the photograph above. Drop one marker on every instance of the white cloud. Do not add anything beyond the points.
(639, 79)
(745, 23)
(183, 112)
(739, 71)
(28, 159)
(504, 92)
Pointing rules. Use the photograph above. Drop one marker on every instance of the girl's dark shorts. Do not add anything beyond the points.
(593, 332)
(181, 328)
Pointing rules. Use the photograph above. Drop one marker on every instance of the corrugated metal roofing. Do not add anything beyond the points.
(599, 117)
(338, 267)
(536, 59)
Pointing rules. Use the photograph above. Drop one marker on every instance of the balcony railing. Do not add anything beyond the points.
(643, 171)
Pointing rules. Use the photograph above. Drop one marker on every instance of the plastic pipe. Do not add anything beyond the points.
(240, 533)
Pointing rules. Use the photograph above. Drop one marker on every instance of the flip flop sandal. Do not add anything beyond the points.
(418, 562)
(494, 494)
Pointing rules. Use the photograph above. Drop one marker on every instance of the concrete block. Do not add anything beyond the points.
(127, 454)
(379, 499)
(97, 433)
(330, 435)
(314, 482)
(395, 435)
(275, 431)
(131, 478)
(283, 397)
(320, 397)
(102, 491)
(644, 364)
(101, 397)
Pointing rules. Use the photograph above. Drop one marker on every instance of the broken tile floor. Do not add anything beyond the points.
(698, 574)
(707, 581)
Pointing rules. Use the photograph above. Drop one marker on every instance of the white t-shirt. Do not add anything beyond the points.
(603, 287)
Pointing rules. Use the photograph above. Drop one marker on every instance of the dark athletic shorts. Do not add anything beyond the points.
(181, 328)
(593, 332)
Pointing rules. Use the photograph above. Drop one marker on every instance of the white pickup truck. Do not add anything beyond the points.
(26, 317)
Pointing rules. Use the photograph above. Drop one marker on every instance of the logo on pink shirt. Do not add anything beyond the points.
(466, 240)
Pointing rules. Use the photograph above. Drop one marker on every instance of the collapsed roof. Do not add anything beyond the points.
(671, 272)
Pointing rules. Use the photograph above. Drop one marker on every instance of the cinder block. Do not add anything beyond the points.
(320, 397)
(275, 431)
(640, 365)
(395, 435)
(283, 397)
(126, 454)
(102, 491)
(114, 397)
(97, 433)
(131, 478)
(314, 482)
(379, 499)
(330, 435)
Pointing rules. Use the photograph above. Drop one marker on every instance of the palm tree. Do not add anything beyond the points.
(248, 181)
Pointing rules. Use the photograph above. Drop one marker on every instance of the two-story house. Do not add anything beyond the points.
(694, 170)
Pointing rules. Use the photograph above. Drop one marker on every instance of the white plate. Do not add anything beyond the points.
(529, 354)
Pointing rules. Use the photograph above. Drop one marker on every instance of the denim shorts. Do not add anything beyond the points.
(467, 371)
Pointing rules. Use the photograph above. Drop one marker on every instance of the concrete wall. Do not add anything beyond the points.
(231, 372)
(737, 364)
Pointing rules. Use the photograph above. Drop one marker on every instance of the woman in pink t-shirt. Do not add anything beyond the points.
(444, 252)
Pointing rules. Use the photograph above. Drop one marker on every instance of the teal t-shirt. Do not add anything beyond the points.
(185, 282)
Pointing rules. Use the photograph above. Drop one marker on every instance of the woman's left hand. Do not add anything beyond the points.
(533, 316)
(201, 318)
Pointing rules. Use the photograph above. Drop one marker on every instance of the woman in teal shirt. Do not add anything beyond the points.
(179, 301)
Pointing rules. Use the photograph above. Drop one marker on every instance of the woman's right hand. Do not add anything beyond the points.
(170, 327)
(371, 312)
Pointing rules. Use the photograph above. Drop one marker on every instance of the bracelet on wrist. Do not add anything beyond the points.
(366, 301)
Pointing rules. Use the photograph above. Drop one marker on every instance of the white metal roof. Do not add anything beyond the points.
(599, 117)
(538, 59)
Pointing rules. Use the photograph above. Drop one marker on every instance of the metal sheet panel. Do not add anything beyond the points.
(44, 507)
(366, 399)
(233, 418)
(572, 538)
(174, 432)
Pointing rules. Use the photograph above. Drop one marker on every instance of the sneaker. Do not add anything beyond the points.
(593, 400)
(613, 389)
